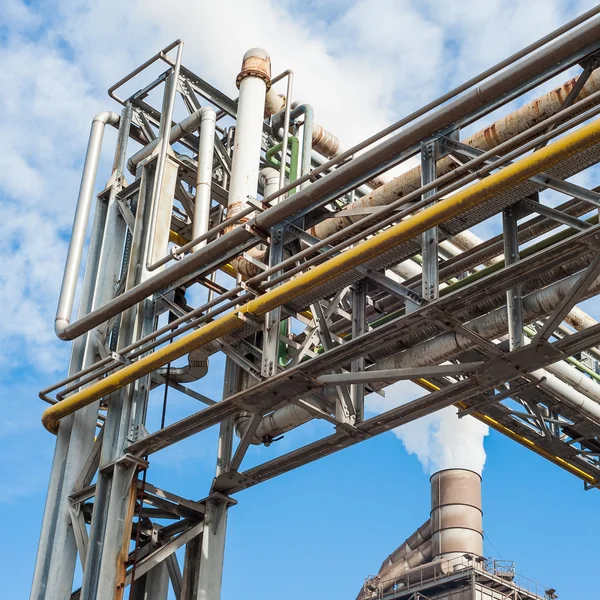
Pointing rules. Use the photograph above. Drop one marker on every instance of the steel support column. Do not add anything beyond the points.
(359, 326)
(57, 552)
(514, 306)
(429, 239)
(110, 530)
(273, 318)
(203, 566)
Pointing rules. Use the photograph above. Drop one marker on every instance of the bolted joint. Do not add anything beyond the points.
(256, 63)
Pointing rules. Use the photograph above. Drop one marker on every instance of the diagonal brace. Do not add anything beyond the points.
(575, 294)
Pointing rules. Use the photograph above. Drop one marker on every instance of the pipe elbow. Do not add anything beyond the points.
(60, 324)
(107, 117)
(49, 422)
(207, 113)
(196, 368)
(131, 165)
(274, 103)
(268, 176)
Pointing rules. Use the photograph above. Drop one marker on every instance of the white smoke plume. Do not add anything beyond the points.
(440, 440)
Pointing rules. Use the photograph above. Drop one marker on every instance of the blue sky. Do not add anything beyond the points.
(362, 64)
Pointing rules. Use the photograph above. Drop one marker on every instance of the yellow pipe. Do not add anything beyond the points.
(365, 251)
(177, 238)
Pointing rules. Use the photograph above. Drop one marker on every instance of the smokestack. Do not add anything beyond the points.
(456, 515)
(454, 529)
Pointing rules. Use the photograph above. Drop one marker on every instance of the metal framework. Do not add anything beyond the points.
(320, 285)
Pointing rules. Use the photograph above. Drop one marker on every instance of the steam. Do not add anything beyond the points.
(440, 440)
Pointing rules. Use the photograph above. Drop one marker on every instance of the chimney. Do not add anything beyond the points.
(456, 515)
(454, 529)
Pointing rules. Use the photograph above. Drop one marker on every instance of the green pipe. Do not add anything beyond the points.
(291, 171)
(530, 332)
(460, 283)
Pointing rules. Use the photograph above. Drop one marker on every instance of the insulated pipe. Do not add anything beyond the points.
(274, 424)
(419, 537)
(206, 145)
(361, 253)
(467, 240)
(274, 102)
(456, 515)
(322, 141)
(537, 66)
(494, 325)
(253, 81)
(269, 179)
(80, 222)
(196, 368)
(502, 130)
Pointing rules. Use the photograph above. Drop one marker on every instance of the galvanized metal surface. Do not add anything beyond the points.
(352, 317)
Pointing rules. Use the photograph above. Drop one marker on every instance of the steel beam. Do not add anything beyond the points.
(569, 301)
(514, 305)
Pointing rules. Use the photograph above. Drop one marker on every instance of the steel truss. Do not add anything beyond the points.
(319, 323)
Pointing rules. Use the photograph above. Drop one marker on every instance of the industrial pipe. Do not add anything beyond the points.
(495, 324)
(315, 138)
(196, 368)
(275, 423)
(188, 125)
(80, 222)
(253, 81)
(363, 252)
(502, 130)
(208, 121)
(537, 66)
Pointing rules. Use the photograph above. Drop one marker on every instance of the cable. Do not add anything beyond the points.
(492, 545)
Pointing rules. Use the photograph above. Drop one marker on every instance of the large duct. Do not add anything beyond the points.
(502, 130)
(456, 515)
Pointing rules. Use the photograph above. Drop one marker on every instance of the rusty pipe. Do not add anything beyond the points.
(498, 132)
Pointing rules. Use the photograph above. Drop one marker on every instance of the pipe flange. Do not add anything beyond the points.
(256, 63)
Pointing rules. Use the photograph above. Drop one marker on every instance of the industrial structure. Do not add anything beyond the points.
(246, 228)
(443, 559)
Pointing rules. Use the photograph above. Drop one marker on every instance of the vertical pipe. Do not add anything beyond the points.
(57, 552)
(253, 82)
(286, 128)
(204, 174)
(80, 222)
(55, 563)
(165, 135)
(307, 132)
(269, 177)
